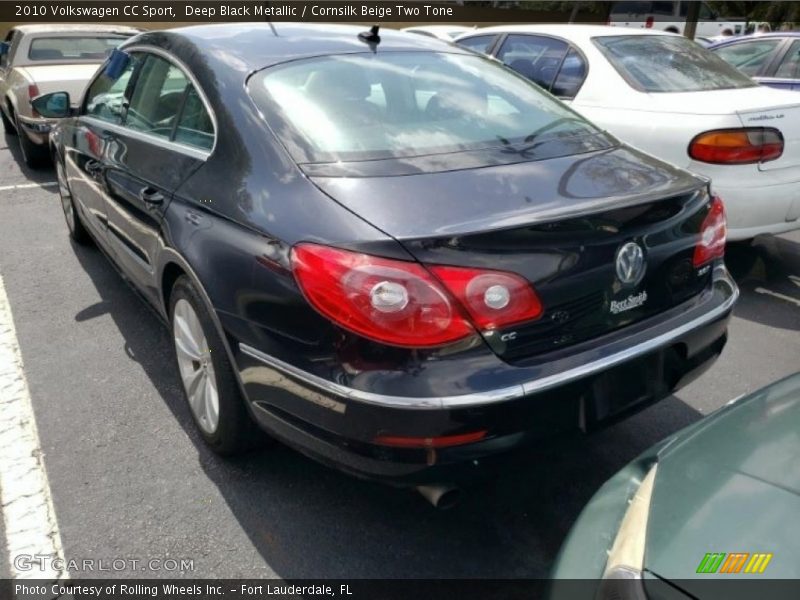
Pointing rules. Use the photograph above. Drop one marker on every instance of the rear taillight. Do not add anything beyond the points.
(712, 234)
(390, 301)
(33, 92)
(737, 146)
(648, 23)
(402, 303)
(493, 299)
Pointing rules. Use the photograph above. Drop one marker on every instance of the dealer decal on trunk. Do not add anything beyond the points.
(631, 302)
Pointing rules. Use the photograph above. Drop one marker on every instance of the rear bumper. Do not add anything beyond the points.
(338, 424)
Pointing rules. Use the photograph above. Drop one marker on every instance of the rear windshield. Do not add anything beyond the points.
(669, 63)
(405, 104)
(73, 48)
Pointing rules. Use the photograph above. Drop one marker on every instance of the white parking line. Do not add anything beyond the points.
(761, 290)
(25, 186)
(33, 541)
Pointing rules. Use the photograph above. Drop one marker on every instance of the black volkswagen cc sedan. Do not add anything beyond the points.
(397, 256)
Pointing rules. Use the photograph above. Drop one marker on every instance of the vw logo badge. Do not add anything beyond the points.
(630, 263)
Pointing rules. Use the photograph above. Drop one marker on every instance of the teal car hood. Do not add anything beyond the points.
(731, 484)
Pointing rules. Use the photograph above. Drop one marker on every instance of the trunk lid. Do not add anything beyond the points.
(62, 78)
(560, 224)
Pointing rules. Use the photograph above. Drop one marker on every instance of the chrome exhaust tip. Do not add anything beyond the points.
(440, 496)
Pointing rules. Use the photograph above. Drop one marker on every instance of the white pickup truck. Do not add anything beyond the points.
(671, 16)
(38, 59)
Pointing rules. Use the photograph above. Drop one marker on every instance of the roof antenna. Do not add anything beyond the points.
(371, 37)
(269, 21)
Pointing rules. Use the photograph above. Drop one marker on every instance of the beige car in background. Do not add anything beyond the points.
(38, 59)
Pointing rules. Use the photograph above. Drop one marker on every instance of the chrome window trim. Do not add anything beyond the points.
(150, 138)
(508, 393)
(191, 151)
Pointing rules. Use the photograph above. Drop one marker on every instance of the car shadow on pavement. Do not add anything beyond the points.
(14, 171)
(768, 273)
(309, 521)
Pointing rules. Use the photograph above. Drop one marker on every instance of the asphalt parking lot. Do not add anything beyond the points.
(130, 478)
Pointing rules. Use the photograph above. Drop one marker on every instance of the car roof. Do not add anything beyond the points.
(571, 31)
(245, 47)
(463, 28)
(78, 28)
(742, 38)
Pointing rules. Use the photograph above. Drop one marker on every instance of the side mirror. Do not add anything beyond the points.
(117, 62)
(4, 48)
(52, 106)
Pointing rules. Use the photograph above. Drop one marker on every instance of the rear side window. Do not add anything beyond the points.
(570, 76)
(157, 97)
(72, 48)
(478, 43)
(195, 127)
(669, 63)
(790, 65)
(749, 57)
(550, 63)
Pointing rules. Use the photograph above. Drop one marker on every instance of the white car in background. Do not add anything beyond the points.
(446, 33)
(39, 59)
(671, 16)
(676, 100)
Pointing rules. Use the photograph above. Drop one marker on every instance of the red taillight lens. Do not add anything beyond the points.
(493, 298)
(390, 301)
(33, 92)
(737, 146)
(648, 23)
(403, 303)
(712, 234)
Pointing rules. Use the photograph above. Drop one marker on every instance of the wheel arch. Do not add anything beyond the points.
(173, 266)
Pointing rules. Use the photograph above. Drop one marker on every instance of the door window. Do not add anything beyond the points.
(550, 63)
(705, 14)
(790, 65)
(157, 97)
(662, 8)
(106, 98)
(478, 43)
(749, 57)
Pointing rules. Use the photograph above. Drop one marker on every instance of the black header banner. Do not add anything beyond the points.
(206, 11)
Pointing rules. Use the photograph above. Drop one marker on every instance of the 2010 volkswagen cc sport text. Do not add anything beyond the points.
(397, 256)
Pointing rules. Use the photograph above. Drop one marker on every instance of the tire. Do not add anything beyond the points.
(77, 231)
(34, 155)
(206, 372)
(8, 125)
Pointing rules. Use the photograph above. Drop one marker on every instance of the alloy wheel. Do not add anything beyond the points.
(195, 365)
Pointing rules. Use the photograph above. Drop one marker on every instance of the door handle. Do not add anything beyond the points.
(93, 167)
(150, 195)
